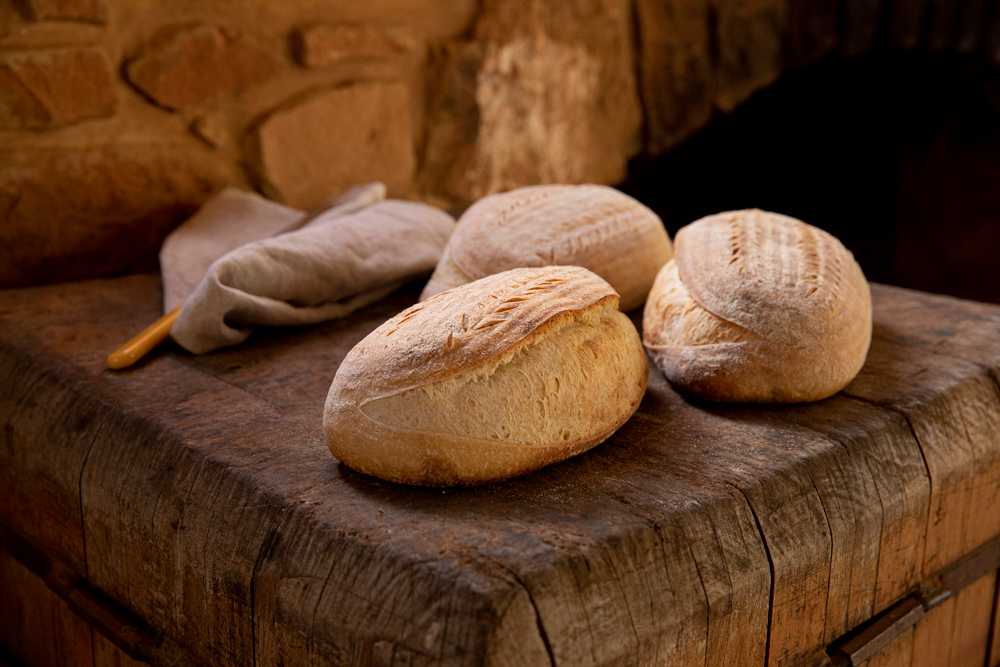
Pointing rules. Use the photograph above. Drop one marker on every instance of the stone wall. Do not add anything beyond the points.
(119, 117)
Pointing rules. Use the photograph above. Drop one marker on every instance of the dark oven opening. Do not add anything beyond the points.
(897, 154)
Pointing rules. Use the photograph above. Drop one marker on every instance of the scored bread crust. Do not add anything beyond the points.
(593, 226)
(759, 307)
(399, 406)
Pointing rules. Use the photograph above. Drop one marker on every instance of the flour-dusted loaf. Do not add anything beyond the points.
(758, 307)
(488, 381)
(593, 226)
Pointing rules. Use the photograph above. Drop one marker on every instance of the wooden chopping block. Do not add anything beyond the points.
(196, 497)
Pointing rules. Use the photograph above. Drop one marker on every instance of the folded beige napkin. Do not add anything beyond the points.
(229, 220)
(352, 254)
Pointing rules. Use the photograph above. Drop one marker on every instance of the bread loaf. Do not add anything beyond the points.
(758, 307)
(593, 226)
(487, 381)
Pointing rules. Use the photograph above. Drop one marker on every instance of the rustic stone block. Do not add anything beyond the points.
(86, 11)
(750, 36)
(212, 129)
(8, 17)
(321, 45)
(453, 124)
(70, 214)
(675, 69)
(183, 69)
(48, 89)
(542, 93)
(319, 146)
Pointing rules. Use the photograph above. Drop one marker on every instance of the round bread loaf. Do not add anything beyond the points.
(488, 381)
(758, 307)
(593, 226)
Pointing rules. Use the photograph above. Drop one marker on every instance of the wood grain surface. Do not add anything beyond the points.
(38, 628)
(198, 493)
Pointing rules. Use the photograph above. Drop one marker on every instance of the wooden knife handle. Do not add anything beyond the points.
(137, 347)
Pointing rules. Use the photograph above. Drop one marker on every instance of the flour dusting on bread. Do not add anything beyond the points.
(489, 380)
(758, 307)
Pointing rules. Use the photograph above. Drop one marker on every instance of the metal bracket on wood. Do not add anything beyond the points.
(102, 615)
(869, 638)
(851, 650)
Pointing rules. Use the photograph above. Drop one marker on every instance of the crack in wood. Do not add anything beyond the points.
(543, 635)
(770, 563)
(83, 523)
(723, 546)
(829, 529)
(704, 590)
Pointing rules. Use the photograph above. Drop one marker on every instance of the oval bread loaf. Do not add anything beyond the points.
(758, 307)
(593, 226)
(488, 381)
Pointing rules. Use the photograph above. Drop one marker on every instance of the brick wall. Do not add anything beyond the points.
(119, 117)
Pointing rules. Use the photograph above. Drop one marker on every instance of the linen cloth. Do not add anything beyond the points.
(231, 219)
(344, 258)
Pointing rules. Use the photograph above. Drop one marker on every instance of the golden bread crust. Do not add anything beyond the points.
(593, 226)
(488, 381)
(759, 307)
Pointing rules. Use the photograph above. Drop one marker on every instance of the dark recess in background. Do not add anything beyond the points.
(898, 155)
